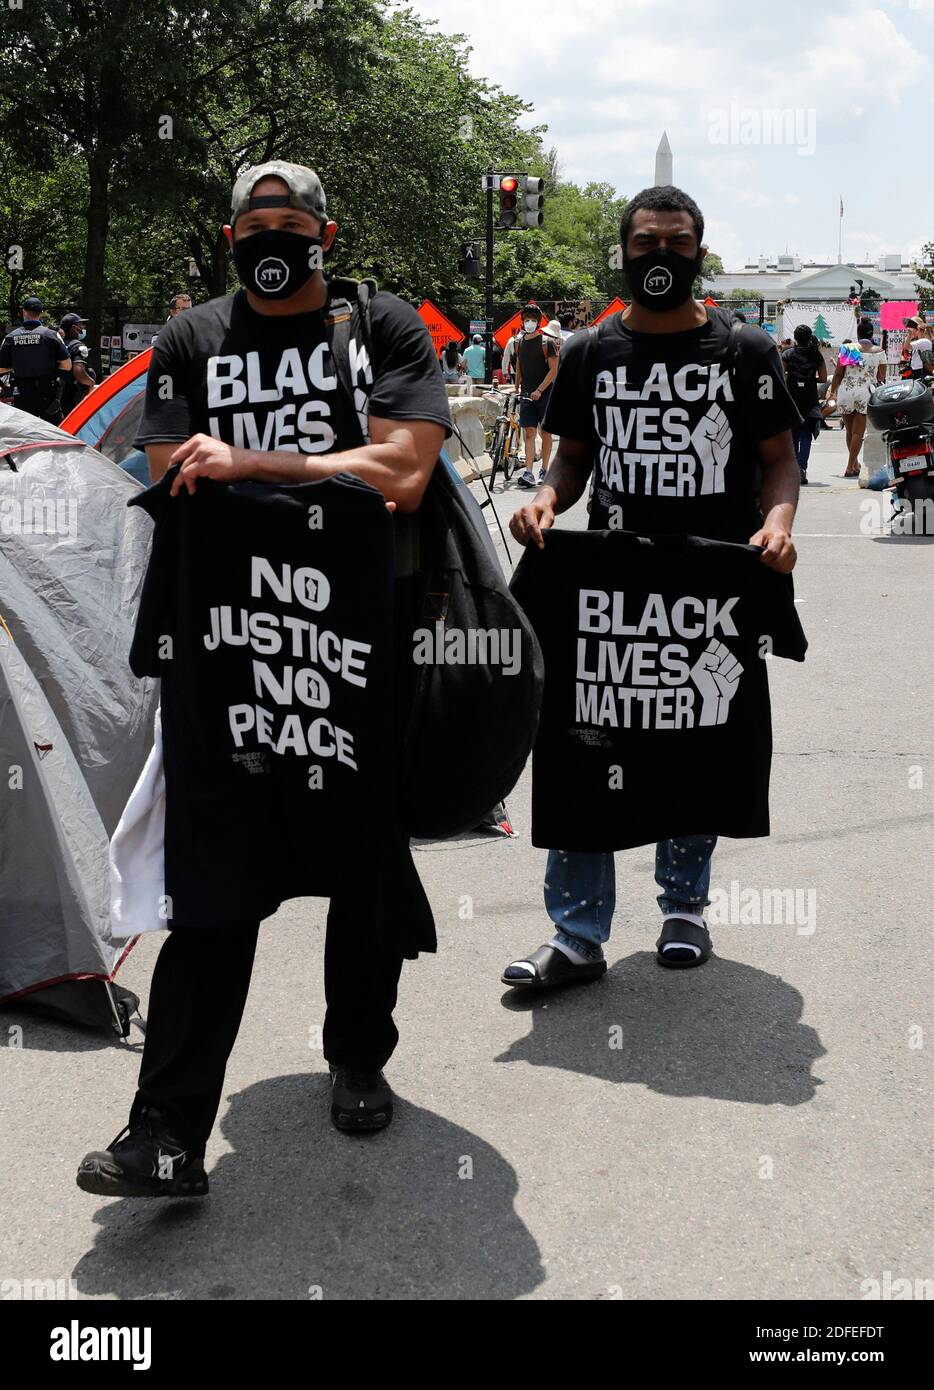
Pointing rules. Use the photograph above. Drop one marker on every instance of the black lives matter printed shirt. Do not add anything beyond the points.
(674, 432)
(267, 382)
(267, 611)
(655, 720)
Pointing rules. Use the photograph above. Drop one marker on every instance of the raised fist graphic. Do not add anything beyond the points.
(711, 440)
(716, 674)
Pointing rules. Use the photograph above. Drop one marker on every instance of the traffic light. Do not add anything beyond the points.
(508, 199)
(469, 260)
(533, 200)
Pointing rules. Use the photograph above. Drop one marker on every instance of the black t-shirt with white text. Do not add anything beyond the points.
(267, 611)
(655, 721)
(673, 431)
(267, 382)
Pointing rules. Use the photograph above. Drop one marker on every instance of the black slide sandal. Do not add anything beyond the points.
(679, 929)
(552, 968)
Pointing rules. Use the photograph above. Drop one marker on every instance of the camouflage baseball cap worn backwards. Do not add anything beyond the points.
(305, 191)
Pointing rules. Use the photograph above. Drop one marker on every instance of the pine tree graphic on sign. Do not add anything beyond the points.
(821, 331)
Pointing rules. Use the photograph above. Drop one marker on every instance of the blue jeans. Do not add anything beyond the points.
(580, 888)
(804, 438)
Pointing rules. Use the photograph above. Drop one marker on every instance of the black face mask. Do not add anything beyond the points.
(275, 264)
(661, 279)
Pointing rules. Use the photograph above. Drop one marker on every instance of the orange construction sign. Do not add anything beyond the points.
(442, 330)
(613, 307)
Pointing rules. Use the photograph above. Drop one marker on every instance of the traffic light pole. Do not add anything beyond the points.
(488, 336)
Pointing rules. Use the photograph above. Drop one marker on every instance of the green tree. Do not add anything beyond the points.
(139, 90)
(924, 271)
(821, 330)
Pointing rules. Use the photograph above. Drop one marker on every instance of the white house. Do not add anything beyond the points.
(787, 278)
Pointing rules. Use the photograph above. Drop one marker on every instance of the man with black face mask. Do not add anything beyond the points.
(676, 442)
(245, 388)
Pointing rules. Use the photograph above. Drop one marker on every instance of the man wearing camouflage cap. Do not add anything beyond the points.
(255, 396)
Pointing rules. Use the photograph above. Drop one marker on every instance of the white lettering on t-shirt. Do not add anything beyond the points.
(654, 684)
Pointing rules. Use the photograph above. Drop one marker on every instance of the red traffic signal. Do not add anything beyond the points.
(508, 198)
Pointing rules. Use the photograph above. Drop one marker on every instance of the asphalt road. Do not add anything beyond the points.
(763, 1131)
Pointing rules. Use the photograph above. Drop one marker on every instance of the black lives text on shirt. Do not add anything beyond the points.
(669, 436)
(247, 397)
(673, 668)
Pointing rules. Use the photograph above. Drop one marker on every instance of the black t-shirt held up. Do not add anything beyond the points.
(655, 721)
(267, 611)
(673, 431)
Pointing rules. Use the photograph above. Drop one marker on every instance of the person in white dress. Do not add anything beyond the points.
(860, 368)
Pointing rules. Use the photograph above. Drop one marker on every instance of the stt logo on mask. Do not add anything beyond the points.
(658, 280)
(271, 274)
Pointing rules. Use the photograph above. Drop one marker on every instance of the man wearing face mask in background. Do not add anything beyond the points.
(255, 396)
(650, 410)
(536, 364)
(78, 382)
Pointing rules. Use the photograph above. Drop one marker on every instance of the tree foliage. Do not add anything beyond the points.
(124, 123)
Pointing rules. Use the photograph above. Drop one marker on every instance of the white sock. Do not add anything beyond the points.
(698, 921)
(573, 956)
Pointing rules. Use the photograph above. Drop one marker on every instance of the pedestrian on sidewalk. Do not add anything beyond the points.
(453, 365)
(860, 368)
(475, 358)
(804, 368)
(279, 230)
(536, 364)
(666, 354)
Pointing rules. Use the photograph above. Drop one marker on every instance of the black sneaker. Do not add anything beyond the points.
(361, 1100)
(144, 1161)
(804, 478)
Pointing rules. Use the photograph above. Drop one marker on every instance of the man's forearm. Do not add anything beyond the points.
(384, 466)
(781, 486)
(566, 481)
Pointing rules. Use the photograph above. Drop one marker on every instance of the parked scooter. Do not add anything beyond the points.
(903, 413)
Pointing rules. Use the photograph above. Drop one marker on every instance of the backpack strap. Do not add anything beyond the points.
(590, 353)
(349, 315)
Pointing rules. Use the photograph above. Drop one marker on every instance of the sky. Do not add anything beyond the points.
(774, 111)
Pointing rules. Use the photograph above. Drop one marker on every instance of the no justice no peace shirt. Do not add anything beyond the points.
(267, 612)
(674, 431)
(655, 721)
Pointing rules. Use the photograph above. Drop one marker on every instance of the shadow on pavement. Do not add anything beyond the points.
(298, 1206)
(43, 1034)
(726, 1030)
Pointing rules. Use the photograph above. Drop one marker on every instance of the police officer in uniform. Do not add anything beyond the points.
(77, 382)
(36, 355)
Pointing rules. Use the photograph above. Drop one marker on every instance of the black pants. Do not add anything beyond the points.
(196, 1001)
(45, 407)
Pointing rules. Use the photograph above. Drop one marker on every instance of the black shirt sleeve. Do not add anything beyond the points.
(167, 410)
(766, 403)
(407, 381)
(570, 405)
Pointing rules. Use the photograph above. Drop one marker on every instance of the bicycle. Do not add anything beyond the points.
(507, 435)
